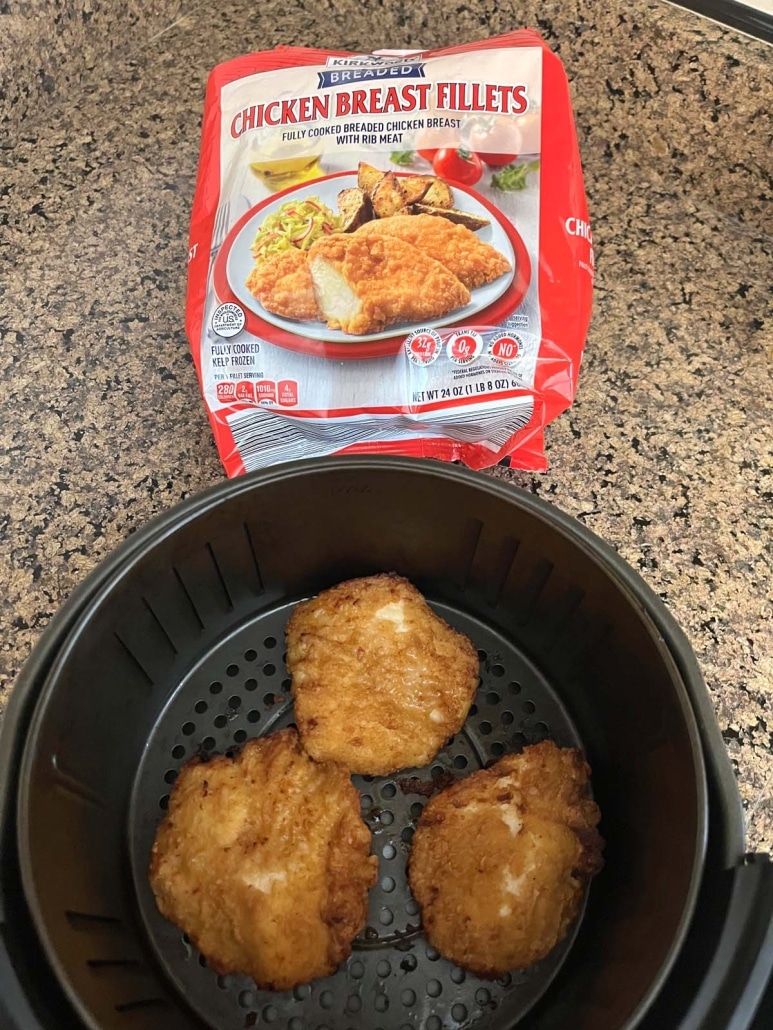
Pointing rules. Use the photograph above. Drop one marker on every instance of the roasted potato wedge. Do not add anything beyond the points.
(469, 221)
(368, 178)
(439, 194)
(415, 187)
(355, 208)
(388, 198)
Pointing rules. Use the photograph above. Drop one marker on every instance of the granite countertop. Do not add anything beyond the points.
(668, 450)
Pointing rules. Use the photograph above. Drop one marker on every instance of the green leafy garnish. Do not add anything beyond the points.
(513, 177)
(402, 157)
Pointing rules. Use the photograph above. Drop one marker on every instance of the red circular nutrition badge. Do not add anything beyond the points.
(464, 347)
(505, 347)
(423, 346)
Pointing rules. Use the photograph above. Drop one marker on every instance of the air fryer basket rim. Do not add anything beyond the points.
(24, 699)
(626, 579)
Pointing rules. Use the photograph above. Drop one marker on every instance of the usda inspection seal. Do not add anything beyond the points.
(228, 320)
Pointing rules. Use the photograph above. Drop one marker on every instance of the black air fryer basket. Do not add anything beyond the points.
(174, 648)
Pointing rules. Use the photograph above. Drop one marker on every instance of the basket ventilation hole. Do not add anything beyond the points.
(459, 1012)
(189, 728)
(240, 736)
(251, 684)
(529, 707)
(268, 669)
(497, 670)
(357, 970)
(514, 688)
(222, 983)
(250, 656)
(416, 809)
(458, 976)
(170, 775)
(200, 707)
(492, 698)
(253, 716)
(383, 969)
(432, 955)
(387, 884)
(409, 963)
(434, 1023)
(389, 851)
(485, 728)
(233, 670)
(482, 655)
(269, 642)
(163, 802)
(246, 999)
(269, 1014)
(178, 751)
(388, 790)
(507, 718)
(295, 1024)
(460, 762)
(434, 987)
(219, 722)
(385, 917)
(381, 1003)
(411, 907)
(408, 997)
(208, 744)
(301, 992)
(482, 996)
(326, 999)
(353, 1003)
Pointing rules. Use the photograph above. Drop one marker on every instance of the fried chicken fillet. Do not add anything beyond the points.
(264, 861)
(380, 682)
(500, 860)
(282, 283)
(366, 284)
(473, 261)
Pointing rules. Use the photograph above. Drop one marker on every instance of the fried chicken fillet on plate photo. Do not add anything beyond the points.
(282, 283)
(500, 861)
(380, 682)
(264, 861)
(474, 262)
(364, 285)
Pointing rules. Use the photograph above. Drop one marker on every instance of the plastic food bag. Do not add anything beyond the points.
(389, 253)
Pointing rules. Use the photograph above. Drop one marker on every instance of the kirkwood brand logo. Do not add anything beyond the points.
(344, 70)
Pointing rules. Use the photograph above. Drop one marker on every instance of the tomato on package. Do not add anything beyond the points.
(497, 141)
(458, 165)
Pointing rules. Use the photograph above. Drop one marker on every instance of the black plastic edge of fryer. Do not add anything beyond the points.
(31, 679)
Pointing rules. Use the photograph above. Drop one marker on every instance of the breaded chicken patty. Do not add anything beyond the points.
(264, 861)
(366, 285)
(282, 283)
(500, 861)
(473, 261)
(380, 681)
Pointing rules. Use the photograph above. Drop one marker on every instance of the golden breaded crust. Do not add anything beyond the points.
(390, 281)
(473, 261)
(282, 284)
(500, 860)
(380, 682)
(264, 861)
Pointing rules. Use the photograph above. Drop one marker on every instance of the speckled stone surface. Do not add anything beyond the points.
(48, 48)
(668, 451)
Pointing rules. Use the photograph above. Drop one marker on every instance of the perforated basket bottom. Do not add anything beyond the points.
(393, 979)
